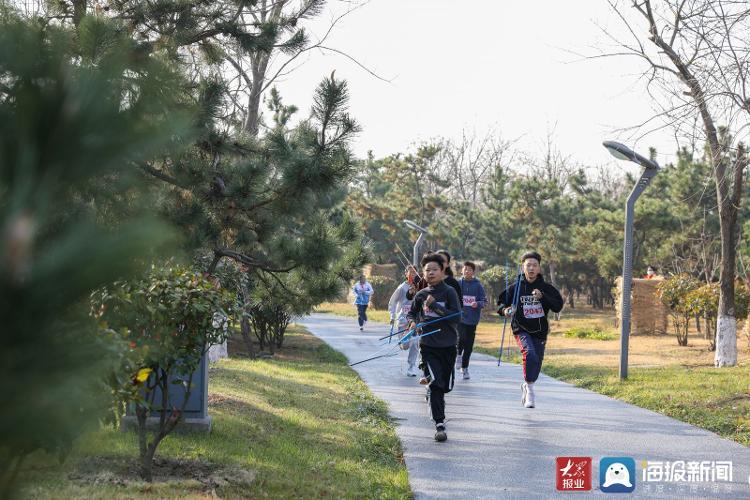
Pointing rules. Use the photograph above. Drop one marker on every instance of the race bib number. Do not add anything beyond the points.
(429, 313)
(532, 311)
(469, 300)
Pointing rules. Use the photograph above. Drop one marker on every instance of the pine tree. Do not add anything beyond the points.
(66, 130)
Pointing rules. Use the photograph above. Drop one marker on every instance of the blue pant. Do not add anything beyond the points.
(361, 314)
(532, 350)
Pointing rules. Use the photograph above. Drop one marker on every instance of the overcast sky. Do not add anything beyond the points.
(477, 64)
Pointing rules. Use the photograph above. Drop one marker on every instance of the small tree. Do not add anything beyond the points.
(168, 320)
(673, 293)
(704, 302)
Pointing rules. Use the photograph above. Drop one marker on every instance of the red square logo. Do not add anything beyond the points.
(573, 473)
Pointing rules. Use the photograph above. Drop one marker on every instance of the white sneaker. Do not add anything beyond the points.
(412, 371)
(466, 374)
(529, 400)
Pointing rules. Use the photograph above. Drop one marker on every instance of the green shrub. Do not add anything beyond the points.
(163, 324)
(673, 293)
(595, 333)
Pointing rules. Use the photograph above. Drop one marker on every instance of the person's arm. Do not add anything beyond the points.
(503, 300)
(369, 290)
(395, 300)
(552, 299)
(482, 298)
(452, 305)
(415, 310)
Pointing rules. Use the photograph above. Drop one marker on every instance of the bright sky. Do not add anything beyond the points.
(477, 64)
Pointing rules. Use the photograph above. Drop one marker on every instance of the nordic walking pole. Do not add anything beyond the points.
(395, 352)
(420, 325)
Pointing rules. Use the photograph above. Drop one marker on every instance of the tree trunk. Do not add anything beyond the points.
(726, 323)
(79, 11)
(245, 329)
(552, 274)
(252, 120)
(143, 447)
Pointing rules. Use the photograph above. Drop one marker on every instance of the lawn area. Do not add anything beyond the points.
(677, 381)
(299, 425)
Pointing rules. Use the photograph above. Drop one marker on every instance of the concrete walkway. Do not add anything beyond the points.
(498, 449)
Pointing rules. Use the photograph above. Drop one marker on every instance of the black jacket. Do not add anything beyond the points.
(446, 303)
(453, 283)
(531, 314)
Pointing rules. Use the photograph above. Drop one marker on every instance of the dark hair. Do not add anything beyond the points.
(531, 255)
(471, 265)
(433, 257)
(656, 269)
(445, 254)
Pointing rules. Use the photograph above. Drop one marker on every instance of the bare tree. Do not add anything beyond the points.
(467, 164)
(697, 53)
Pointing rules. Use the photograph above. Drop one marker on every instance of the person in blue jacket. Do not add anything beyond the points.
(474, 299)
(363, 292)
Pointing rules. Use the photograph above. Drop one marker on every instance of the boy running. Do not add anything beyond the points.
(528, 311)
(362, 291)
(474, 299)
(438, 349)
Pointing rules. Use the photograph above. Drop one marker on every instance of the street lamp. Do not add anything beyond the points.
(422, 232)
(651, 168)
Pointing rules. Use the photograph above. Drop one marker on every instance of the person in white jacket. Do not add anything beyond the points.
(398, 307)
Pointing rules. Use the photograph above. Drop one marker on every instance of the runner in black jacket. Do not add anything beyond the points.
(528, 312)
(438, 349)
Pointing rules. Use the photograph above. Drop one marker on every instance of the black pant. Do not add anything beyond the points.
(361, 314)
(439, 363)
(466, 335)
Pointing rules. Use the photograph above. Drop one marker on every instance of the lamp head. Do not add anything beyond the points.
(413, 225)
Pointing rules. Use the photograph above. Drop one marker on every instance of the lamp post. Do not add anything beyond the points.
(651, 168)
(422, 232)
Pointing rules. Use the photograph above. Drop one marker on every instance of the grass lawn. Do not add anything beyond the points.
(677, 381)
(299, 425)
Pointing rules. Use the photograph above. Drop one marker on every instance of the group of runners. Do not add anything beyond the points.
(436, 316)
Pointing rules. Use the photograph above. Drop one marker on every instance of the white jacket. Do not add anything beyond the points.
(399, 305)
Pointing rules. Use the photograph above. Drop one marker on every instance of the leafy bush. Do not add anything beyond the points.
(704, 302)
(594, 333)
(495, 279)
(163, 325)
(383, 288)
(673, 293)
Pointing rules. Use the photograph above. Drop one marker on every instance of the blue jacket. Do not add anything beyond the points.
(362, 293)
(472, 291)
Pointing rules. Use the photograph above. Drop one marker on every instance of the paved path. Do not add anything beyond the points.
(498, 449)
